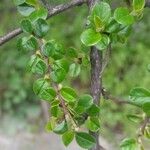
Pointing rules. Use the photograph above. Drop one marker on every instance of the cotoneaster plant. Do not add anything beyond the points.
(73, 115)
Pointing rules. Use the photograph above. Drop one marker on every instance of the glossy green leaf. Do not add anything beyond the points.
(48, 49)
(124, 34)
(68, 94)
(19, 2)
(21, 43)
(113, 26)
(25, 9)
(98, 24)
(43, 90)
(58, 75)
(134, 118)
(39, 66)
(40, 13)
(103, 43)
(90, 37)
(39, 85)
(31, 43)
(27, 43)
(26, 26)
(55, 111)
(94, 110)
(146, 108)
(40, 27)
(50, 125)
(85, 101)
(61, 128)
(138, 4)
(72, 53)
(55, 50)
(139, 96)
(85, 140)
(47, 94)
(93, 124)
(128, 144)
(31, 2)
(74, 70)
(61, 63)
(103, 11)
(122, 16)
(68, 137)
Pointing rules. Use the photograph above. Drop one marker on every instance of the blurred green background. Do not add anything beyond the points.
(21, 110)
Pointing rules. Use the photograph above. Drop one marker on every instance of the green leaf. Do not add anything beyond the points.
(122, 16)
(72, 53)
(93, 124)
(85, 140)
(58, 75)
(19, 2)
(103, 11)
(134, 118)
(40, 13)
(138, 4)
(48, 49)
(27, 43)
(61, 128)
(25, 9)
(103, 43)
(39, 67)
(47, 94)
(85, 101)
(68, 137)
(26, 26)
(94, 110)
(21, 43)
(40, 27)
(74, 70)
(56, 102)
(55, 111)
(54, 50)
(128, 144)
(146, 108)
(139, 96)
(89, 37)
(113, 26)
(39, 85)
(124, 34)
(98, 24)
(68, 94)
(50, 125)
(31, 2)
(31, 44)
(61, 63)
(43, 90)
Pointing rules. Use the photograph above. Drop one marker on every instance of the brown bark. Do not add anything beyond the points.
(96, 81)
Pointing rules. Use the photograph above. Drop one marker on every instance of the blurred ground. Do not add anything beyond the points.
(41, 141)
(22, 134)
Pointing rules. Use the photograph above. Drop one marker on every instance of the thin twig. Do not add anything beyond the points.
(118, 101)
(106, 60)
(45, 3)
(144, 124)
(52, 12)
(142, 129)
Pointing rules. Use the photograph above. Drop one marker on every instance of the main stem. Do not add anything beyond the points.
(96, 85)
(96, 80)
